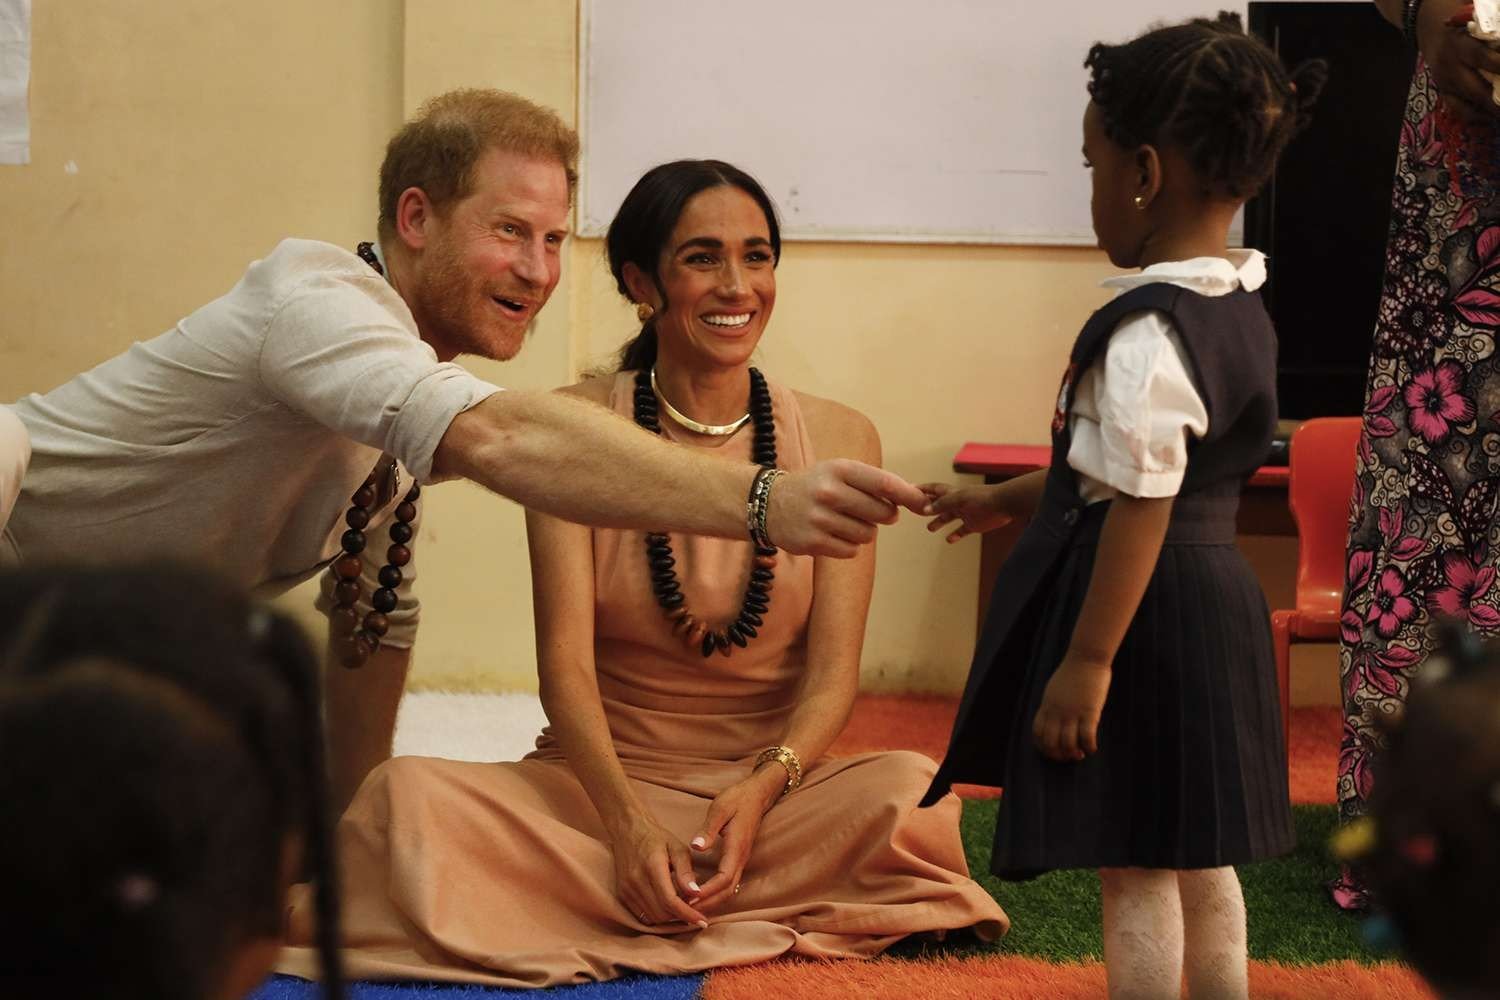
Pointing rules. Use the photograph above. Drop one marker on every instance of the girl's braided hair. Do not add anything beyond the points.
(1206, 88)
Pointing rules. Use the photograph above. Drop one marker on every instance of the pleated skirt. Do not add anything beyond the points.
(1191, 766)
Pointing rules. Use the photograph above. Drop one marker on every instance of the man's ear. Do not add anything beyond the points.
(415, 216)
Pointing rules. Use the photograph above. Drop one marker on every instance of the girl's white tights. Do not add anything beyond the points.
(1159, 923)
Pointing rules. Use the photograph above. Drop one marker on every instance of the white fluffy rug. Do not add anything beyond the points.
(468, 726)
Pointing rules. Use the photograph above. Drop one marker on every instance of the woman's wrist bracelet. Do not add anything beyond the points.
(758, 504)
(788, 759)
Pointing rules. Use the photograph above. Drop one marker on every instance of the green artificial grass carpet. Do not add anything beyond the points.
(1291, 919)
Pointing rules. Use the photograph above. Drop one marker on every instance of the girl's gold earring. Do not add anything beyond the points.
(1140, 201)
(644, 312)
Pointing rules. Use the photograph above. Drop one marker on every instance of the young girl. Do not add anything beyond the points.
(1123, 692)
(164, 771)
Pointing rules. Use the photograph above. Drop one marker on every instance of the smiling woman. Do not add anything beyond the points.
(679, 813)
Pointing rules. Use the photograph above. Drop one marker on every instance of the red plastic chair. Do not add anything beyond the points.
(1319, 490)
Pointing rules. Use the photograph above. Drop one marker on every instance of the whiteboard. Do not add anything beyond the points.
(954, 121)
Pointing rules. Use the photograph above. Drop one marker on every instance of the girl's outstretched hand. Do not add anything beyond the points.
(976, 508)
(1066, 727)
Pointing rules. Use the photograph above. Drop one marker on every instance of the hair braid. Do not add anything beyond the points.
(1219, 96)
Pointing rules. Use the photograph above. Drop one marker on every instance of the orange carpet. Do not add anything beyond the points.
(923, 722)
(999, 978)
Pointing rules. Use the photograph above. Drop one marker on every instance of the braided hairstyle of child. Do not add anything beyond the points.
(1207, 89)
(164, 768)
(1429, 848)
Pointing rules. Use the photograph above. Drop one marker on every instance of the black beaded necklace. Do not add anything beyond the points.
(664, 582)
(356, 639)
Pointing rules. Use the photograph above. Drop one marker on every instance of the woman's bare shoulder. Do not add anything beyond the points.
(839, 430)
(594, 388)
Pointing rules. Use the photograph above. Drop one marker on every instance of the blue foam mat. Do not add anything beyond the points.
(632, 988)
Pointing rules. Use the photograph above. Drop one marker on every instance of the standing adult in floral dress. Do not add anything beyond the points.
(1423, 539)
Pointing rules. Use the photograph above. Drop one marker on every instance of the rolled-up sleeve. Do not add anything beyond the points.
(1137, 411)
(341, 350)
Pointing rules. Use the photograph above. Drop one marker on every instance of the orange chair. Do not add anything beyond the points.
(1319, 491)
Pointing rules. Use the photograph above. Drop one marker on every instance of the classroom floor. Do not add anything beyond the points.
(1301, 947)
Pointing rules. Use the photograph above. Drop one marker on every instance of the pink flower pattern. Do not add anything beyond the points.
(1435, 402)
(1466, 585)
(1425, 494)
(1390, 608)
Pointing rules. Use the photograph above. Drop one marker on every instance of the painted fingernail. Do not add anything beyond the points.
(694, 887)
(703, 925)
(700, 843)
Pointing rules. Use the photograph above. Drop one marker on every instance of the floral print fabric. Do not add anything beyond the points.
(1423, 542)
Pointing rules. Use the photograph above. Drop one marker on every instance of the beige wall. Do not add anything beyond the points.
(174, 142)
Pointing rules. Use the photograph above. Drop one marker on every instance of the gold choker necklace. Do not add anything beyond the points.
(714, 430)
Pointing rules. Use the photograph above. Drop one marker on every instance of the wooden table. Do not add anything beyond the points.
(1263, 509)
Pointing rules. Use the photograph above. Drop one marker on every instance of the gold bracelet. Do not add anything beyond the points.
(788, 759)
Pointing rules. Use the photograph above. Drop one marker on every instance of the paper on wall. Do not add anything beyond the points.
(15, 79)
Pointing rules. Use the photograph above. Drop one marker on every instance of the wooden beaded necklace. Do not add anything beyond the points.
(356, 639)
(664, 583)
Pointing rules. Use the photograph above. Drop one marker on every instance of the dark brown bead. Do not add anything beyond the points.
(746, 628)
(346, 592)
(659, 550)
(383, 600)
(670, 600)
(344, 621)
(721, 641)
(662, 562)
(356, 517)
(736, 636)
(398, 555)
(356, 650)
(708, 645)
(400, 533)
(406, 511)
(352, 541)
(755, 605)
(347, 567)
(390, 577)
(695, 637)
(377, 623)
(762, 575)
(364, 496)
(657, 539)
(413, 493)
(746, 615)
(765, 562)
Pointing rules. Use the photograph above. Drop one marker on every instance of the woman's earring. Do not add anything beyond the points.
(644, 312)
(1140, 202)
